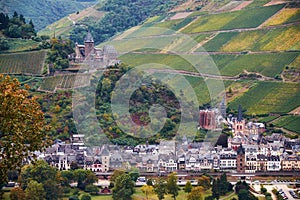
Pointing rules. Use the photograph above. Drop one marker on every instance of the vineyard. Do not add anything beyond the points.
(289, 122)
(280, 39)
(269, 97)
(232, 20)
(229, 65)
(23, 63)
(266, 64)
(70, 81)
(285, 16)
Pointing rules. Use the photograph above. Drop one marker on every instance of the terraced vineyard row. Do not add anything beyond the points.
(276, 39)
(269, 97)
(23, 63)
(289, 122)
(232, 20)
(229, 65)
(70, 81)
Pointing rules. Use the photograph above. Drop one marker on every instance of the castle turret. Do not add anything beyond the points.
(88, 44)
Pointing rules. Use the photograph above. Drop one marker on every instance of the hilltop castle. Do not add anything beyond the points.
(87, 52)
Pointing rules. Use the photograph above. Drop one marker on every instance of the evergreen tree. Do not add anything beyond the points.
(188, 187)
(215, 189)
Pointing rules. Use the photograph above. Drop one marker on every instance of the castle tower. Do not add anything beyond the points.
(240, 159)
(240, 113)
(223, 107)
(88, 44)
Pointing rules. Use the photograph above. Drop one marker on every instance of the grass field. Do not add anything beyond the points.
(269, 97)
(286, 15)
(23, 63)
(18, 45)
(289, 122)
(61, 27)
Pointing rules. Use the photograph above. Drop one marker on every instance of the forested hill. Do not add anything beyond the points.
(44, 12)
(121, 15)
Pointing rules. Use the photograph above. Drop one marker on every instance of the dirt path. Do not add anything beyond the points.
(242, 5)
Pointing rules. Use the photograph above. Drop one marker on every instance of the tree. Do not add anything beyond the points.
(243, 194)
(188, 187)
(92, 189)
(215, 189)
(86, 197)
(17, 194)
(40, 172)
(172, 186)
(52, 189)
(160, 188)
(204, 181)
(134, 174)
(149, 182)
(223, 186)
(196, 193)
(147, 189)
(116, 174)
(84, 177)
(22, 126)
(35, 191)
(123, 188)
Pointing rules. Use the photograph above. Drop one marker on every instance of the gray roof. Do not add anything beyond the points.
(89, 37)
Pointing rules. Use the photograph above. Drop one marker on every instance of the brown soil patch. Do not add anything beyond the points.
(242, 5)
(296, 111)
(189, 4)
(180, 15)
(88, 12)
(274, 2)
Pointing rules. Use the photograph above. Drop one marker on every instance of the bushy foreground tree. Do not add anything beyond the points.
(22, 126)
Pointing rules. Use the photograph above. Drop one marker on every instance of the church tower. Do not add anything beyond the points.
(88, 44)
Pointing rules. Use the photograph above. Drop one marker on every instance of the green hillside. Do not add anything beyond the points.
(269, 97)
(44, 12)
(253, 51)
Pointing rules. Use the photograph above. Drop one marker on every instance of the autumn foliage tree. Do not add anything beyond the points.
(22, 126)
